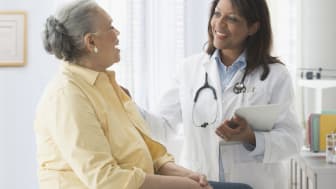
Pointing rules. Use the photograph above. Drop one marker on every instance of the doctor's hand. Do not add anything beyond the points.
(236, 129)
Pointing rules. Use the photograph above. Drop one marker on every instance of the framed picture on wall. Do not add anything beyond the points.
(13, 39)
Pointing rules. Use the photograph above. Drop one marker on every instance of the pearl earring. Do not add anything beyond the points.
(95, 49)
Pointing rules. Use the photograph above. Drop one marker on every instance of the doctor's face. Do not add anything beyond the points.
(229, 29)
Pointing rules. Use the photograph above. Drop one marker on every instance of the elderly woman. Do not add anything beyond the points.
(89, 133)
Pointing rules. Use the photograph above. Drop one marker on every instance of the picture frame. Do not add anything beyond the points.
(13, 38)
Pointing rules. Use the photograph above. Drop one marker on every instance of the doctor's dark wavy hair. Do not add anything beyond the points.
(63, 34)
(258, 46)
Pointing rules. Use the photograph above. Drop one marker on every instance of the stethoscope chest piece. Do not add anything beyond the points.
(239, 88)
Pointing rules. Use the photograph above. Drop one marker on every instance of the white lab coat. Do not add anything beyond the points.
(201, 145)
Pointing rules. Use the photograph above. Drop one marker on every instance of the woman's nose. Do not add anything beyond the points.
(221, 21)
(116, 31)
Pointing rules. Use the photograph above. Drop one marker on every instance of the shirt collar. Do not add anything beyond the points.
(240, 62)
(88, 75)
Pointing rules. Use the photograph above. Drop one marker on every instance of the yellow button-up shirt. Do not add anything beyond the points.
(90, 135)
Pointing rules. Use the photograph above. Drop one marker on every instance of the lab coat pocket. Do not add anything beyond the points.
(255, 174)
(241, 155)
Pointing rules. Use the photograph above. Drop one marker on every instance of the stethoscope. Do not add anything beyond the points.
(238, 88)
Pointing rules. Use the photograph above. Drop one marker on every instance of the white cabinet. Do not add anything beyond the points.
(318, 85)
(310, 171)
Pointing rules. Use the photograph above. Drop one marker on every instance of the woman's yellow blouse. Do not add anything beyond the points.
(90, 134)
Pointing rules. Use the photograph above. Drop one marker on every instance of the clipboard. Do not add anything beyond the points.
(260, 117)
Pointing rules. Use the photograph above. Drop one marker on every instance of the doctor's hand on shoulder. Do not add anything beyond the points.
(236, 129)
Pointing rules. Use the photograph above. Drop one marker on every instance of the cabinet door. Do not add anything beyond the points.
(304, 180)
(292, 174)
(311, 178)
(310, 184)
(296, 178)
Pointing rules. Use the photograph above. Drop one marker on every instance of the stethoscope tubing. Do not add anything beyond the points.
(238, 88)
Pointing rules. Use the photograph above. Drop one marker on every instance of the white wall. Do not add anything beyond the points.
(196, 32)
(318, 33)
(318, 29)
(20, 89)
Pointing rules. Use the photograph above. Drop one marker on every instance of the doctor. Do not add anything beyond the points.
(236, 70)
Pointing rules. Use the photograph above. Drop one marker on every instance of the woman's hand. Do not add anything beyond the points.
(236, 129)
(171, 169)
(200, 178)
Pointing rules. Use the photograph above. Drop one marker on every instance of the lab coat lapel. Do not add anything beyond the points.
(236, 78)
(212, 69)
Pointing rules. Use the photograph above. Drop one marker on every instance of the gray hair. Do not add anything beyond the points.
(63, 34)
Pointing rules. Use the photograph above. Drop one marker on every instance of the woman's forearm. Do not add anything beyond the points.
(172, 169)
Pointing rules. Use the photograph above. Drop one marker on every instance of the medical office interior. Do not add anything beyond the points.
(155, 35)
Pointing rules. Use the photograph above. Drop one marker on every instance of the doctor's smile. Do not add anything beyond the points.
(220, 35)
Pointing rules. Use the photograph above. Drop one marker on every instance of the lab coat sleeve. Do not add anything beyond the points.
(286, 138)
(257, 151)
(161, 130)
(165, 119)
(82, 143)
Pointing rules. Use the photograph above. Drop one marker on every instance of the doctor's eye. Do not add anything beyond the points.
(216, 14)
(232, 19)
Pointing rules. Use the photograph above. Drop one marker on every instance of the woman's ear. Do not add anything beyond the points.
(253, 28)
(89, 42)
